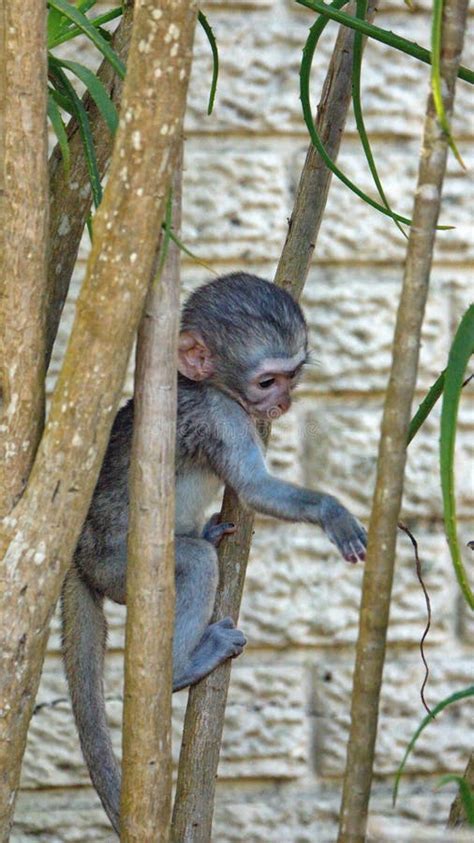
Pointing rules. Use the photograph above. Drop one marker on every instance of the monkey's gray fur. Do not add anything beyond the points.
(243, 344)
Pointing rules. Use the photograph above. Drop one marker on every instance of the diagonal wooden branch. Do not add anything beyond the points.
(378, 574)
(145, 812)
(70, 193)
(38, 538)
(457, 814)
(24, 221)
(204, 721)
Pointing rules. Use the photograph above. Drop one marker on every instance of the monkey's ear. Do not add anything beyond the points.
(194, 358)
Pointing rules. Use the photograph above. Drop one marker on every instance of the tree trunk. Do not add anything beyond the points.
(38, 538)
(24, 201)
(145, 812)
(378, 575)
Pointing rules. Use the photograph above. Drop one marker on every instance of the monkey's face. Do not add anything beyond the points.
(267, 394)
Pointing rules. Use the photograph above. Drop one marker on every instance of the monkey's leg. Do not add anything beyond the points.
(198, 647)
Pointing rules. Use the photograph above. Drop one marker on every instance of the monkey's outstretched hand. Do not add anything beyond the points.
(343, 529)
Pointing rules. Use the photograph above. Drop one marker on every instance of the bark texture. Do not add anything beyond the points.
(70, 193)
(146, 760)
(378, 574)
(39, 536)
(457, 814)
(24, 219)
(202, 735)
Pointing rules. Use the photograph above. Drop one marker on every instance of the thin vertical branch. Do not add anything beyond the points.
(204, 721)
(146, 762)
(378, 573)
(24, 200)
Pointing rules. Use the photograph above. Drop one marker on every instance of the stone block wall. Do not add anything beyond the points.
(288, 715)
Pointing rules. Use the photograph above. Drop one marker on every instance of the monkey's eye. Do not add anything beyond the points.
(265, 384)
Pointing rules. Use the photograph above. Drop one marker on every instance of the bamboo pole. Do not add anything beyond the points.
(378, 574)
(204, 720)
(145, 812)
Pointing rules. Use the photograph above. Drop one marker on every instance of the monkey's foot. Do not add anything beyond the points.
(221, 641)
(214, 531)
(226, 638)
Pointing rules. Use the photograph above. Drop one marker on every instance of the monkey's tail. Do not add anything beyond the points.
(84, 639)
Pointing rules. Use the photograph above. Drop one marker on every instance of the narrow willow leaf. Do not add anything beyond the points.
(467, 796)
(461, 350)
(60, 131)
(82, 23)
(96, 90)
(305, 72)
(383, 35)
(63, 102)
(361, 11)
(85, 5)
(436, 27)
(74, 31)
(426, 406)
(215, 58)
(179, 243)
(56, 23)
(65, 88)
(459, 695)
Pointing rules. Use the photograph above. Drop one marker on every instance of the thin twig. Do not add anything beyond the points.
(414, 542)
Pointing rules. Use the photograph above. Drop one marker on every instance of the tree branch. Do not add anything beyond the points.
(146, 762)
(38, 538)
(24, 200)
(70, 193)
(204, 721)
(378, 575)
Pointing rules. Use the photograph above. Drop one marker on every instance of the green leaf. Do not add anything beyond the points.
(361, 11)
(467, 796)
(215, 58)
(82, 23)
(305, 72)
(60, 131)
(436, 31)
(379, 34)
(65, 88)
(96, 90)
(74, 31)
(63, 102)
(461, 350)
(429, 401)
(459, 695)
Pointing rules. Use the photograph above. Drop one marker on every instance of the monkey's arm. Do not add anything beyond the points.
(239, 461)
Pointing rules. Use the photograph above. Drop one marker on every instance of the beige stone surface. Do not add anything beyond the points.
(287, 719)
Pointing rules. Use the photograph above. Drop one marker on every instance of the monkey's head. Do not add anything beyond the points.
(246, 337)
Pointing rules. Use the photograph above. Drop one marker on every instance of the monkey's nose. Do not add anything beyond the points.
(284, 404)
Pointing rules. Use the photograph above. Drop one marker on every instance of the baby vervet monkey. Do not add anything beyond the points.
(242, 348)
